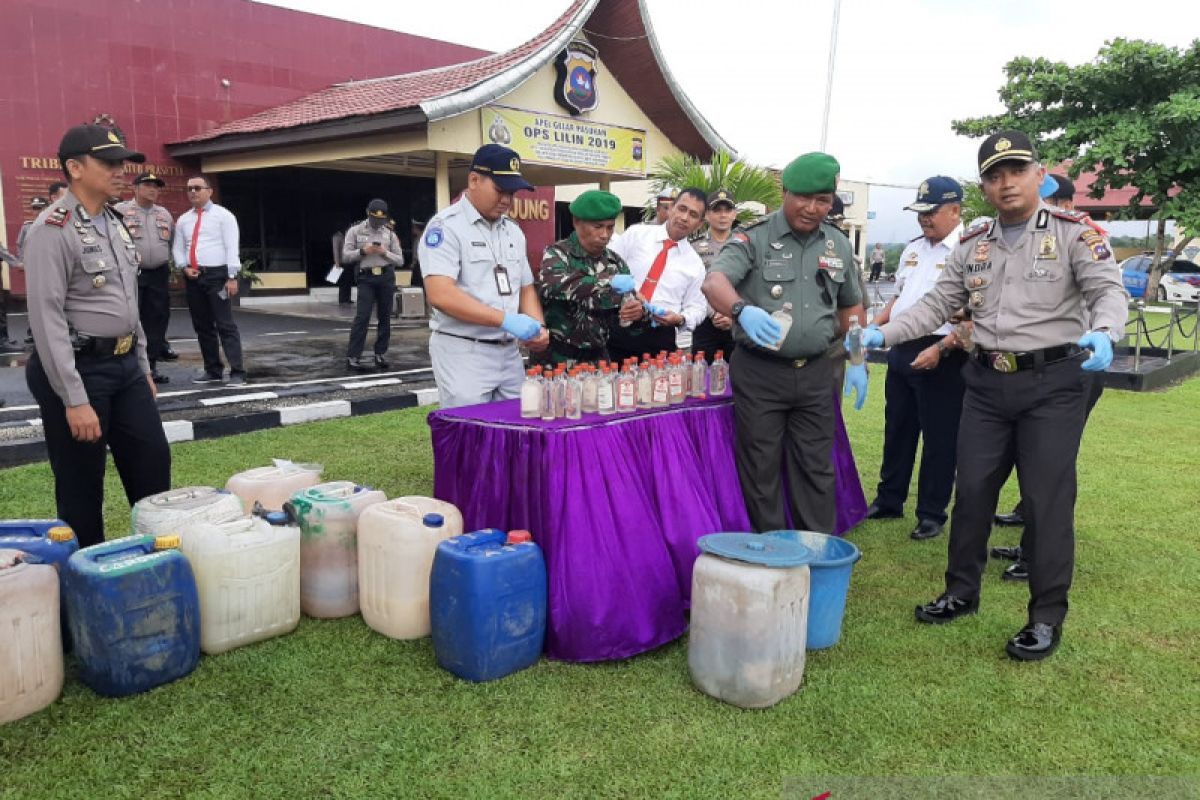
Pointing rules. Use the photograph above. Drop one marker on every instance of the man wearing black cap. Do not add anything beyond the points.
(478, 280)
(374, 248)
(151, 227)
(206, 247)
(89, 372)
(924, 386)
(715, 332)
(1024, 276)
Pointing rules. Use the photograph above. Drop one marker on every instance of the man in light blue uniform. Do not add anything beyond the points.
(478, 281)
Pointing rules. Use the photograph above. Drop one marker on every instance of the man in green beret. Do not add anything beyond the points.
(582, 284)
(783, 377)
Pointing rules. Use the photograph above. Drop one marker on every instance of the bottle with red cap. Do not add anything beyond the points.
(699, 374)
(675, 390)
(531, 395)
(547, 385)
(718, 375)
(626, 391)
(605, 399)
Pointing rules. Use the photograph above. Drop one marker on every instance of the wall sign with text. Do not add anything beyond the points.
(565, 142)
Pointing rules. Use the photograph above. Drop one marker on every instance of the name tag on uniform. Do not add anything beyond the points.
(503, 287)
(830, 264)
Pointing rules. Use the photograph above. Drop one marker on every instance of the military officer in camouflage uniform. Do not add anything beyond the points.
(581, 283)
(715, 332)
(1024, 277)
(151, 227)
(89, 372)
(784, 398)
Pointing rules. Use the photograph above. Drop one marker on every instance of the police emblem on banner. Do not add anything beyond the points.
(576, 86)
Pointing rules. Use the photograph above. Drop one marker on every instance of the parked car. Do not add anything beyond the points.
(1181, 283)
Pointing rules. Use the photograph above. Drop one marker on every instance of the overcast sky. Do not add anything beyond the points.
(756, 69)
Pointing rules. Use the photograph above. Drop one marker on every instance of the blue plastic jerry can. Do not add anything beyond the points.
(487, 604)
(134, 613)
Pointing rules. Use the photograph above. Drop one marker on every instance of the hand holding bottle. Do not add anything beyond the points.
(758, 325)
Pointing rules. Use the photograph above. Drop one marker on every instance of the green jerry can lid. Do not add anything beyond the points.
(752, 548)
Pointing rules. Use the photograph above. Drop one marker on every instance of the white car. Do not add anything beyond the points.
(1181, 283)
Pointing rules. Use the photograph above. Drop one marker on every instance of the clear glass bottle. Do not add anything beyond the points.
(604, 393)
(588, 404)
(645, 384)
(675, 380)
(854, 336)
(560, 392)
(531, 395)
(660, 388)
(784, 317)
(573, 395)
(699, 374)
(628, 299)
(548, 394)
(718, 375)
(626, 391)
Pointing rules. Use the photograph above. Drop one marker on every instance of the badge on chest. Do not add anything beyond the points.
(503, 285)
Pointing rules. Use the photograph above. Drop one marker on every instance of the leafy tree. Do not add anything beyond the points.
(974, 204)
(1131, 116)
(743, 180)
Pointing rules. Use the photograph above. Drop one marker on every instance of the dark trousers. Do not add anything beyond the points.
(375, 293)
(921, 405)
(345, 285)
(129, 426)
(3, 316)
(708, 339)
(154, 308)
(633, 342)
(1032, 420)
(784, 418)
(212, 318)
(876, 270)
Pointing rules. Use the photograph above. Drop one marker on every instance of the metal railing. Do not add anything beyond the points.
(1179, 313)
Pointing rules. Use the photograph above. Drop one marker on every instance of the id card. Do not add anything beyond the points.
(503, 287)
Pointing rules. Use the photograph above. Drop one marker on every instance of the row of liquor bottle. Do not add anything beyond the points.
(604, 388)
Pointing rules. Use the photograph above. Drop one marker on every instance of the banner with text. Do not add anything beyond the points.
(565, 142)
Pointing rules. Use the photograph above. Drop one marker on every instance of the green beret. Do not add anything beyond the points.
(811, 173)
(594, 205)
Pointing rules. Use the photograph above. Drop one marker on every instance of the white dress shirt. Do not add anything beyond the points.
(678, 287)
(921, 265)
(218, 242)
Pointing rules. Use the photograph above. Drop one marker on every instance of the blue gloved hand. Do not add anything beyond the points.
(759, 326)
(856, 379)
(872, 337)
(622, 283)
(522, 326)
(1101, 347)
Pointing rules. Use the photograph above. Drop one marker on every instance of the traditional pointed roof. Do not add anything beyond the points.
(619, 29)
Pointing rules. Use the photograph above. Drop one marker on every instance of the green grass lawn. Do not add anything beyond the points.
(337, 710)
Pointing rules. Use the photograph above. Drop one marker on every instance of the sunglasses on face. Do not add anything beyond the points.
(196, 188)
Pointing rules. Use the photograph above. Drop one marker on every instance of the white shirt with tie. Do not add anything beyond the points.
(217, 244)
(678, 287)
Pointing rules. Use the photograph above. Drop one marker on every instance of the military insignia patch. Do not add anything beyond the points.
(1048, 250)
(576, 86)
(741, 237)
(1096, 244)
(434, 237)
(58, 217)
(982, 251)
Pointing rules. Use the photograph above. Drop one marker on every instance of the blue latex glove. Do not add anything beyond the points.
(872, 337)
(522, 326)
(622, 283)
(1101, 347)
(759, 326)
(856, 379)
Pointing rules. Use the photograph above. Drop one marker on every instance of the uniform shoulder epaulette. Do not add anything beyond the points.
(115, 208)
(740, 234)
(977, 227)
(58, 216)
(1081, 217)
(910, 241)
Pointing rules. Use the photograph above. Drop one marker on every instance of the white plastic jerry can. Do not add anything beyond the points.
(31, 656)
(749, 618)
(328, 514)
(272, 486)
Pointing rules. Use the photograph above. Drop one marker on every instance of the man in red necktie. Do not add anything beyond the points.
(206, 246)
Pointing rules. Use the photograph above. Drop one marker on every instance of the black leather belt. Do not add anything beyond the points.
(1003, 361)
(104, 346)
(477, 341)
(766, 355)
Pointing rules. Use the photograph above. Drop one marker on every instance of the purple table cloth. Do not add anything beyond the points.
(616, 503)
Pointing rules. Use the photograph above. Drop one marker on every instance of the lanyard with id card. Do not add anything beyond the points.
(503, 286)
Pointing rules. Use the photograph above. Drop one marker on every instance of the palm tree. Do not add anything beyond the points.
(746, 182)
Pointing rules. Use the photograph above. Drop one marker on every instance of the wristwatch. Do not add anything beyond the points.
(736, 308)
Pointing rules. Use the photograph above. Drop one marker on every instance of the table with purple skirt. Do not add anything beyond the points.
(617, 504)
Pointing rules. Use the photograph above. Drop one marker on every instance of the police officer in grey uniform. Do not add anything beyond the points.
(89, 372)
(1023, 276)
(374, 248)
(151, 227)
(784, 399)
(715, 332)
(478, 280)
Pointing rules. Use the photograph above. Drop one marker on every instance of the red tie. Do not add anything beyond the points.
(195, 239)
(656, 270)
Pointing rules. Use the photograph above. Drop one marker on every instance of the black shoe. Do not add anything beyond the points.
(1017, 571)
(875, 512)
(357, 363)
(1013, 520)
(926, 529)
(10, 346)
(158, 377)
(381, 362)
(946, 608)
(1035, 641)
(1007, 553)
(236, 379)
(168, 355)
(206, 377)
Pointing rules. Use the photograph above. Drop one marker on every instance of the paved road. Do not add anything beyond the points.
(279, 350)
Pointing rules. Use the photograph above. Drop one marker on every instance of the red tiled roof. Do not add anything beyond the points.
(382, 95)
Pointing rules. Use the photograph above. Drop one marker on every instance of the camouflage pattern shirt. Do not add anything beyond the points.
(577, 301)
